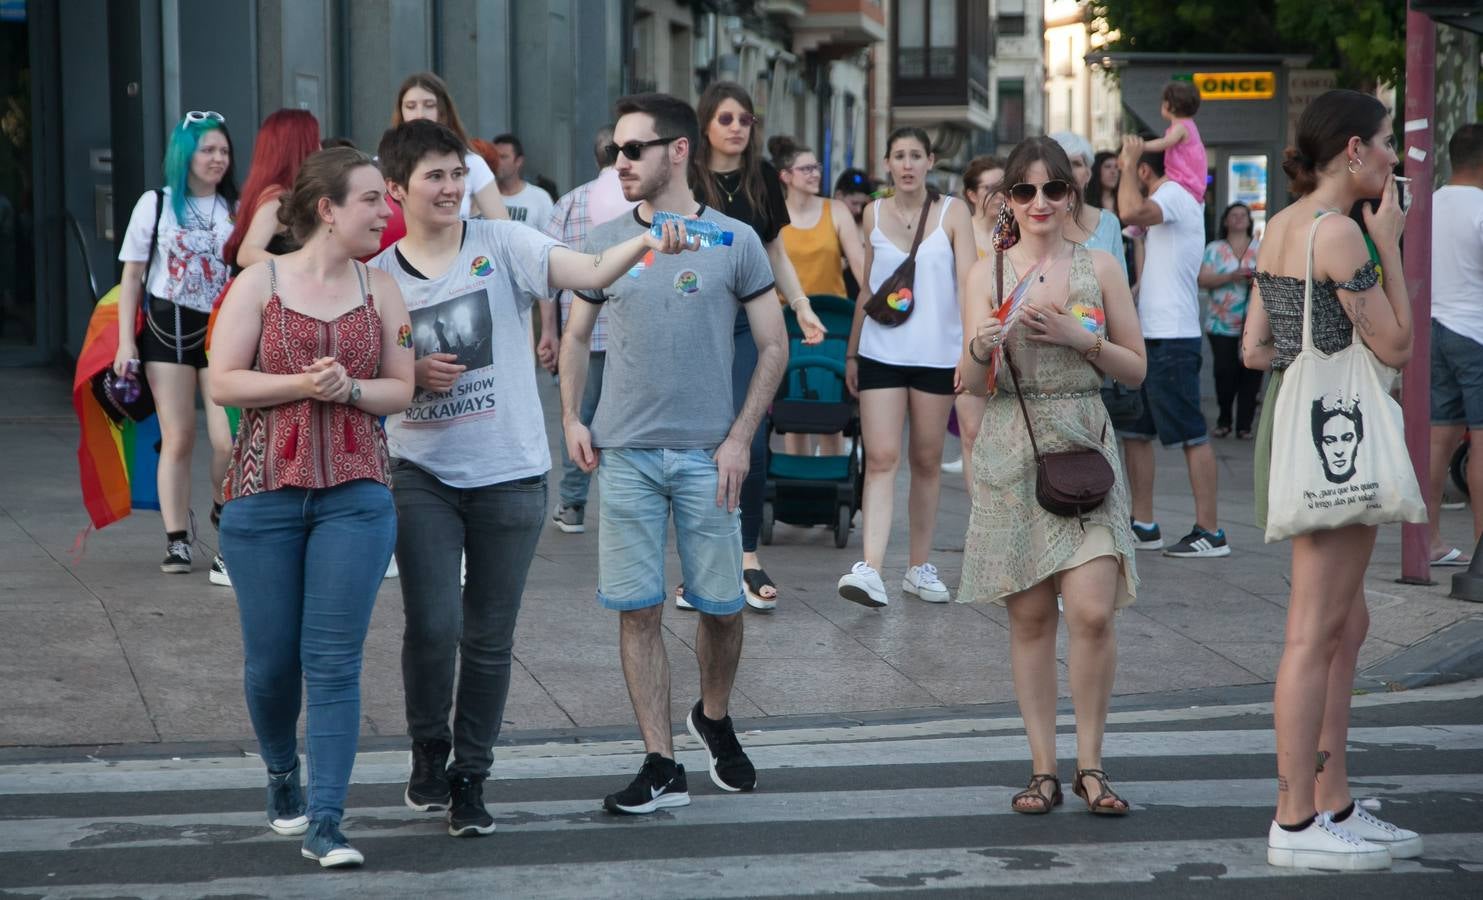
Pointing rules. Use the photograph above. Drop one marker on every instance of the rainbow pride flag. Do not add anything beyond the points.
(116, 464)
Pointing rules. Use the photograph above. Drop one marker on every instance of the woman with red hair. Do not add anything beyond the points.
(285, 140)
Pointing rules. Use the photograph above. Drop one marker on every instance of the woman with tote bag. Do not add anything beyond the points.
(1331, 464)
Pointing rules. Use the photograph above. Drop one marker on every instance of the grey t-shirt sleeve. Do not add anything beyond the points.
(753, 268)
(526, 255)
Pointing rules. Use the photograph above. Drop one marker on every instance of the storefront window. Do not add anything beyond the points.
(17, 212)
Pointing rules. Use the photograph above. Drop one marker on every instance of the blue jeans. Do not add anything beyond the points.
(574, 482)
(754, 487)
(306, 565)
(639, 490)
(1171, 395)
(469, 630)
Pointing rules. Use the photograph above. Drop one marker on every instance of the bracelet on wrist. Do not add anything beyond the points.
(1093, 351)
(972, 353)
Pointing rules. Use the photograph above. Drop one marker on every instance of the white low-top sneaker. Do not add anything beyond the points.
(863, 585)
(1323, 845)
(922, 581)
(1401, 843)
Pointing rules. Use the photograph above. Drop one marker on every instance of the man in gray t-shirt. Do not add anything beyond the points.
(668, 441)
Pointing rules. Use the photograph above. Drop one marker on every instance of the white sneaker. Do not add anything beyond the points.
(391, 570)
(863, 585)
(680, 601)
(923, 582)
(953, 468)
(218, 574)
(1323, 845)
(1401, 843)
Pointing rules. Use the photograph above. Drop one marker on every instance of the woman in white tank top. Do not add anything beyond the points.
(907, 372)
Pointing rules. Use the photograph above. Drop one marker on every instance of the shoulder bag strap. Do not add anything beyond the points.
(1008, 362)
(1308, 285)
(154, 238)
(921, 225)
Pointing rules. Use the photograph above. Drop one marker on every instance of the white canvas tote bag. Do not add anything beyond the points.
(1338, 447)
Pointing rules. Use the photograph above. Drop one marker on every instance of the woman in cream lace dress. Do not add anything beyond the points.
(1076, 323)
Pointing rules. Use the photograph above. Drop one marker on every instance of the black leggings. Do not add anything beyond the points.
(1235, 385)
(754, 488)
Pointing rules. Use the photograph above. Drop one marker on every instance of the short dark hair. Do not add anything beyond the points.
(510, 139)
(1466, 147)
(1183, 98)
(406, 145)
(1154, 159)
(672, 116)
(853, 181)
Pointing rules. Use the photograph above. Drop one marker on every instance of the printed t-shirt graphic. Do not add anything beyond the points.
(489, 428)
(188, 268)
(530, 206)
(667, 379)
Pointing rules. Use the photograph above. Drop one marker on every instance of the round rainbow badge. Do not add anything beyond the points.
(899, 300)
(481, 266)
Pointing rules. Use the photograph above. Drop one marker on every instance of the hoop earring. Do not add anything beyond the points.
(1353, 168)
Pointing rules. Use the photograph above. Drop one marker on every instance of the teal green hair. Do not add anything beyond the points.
(184, 139)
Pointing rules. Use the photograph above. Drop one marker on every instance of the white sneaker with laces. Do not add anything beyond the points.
(1402, 843)
(863, 585)
(922, 581)
(1323, 845)
(953, 468)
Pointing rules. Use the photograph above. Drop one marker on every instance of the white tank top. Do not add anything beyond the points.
(933, 335)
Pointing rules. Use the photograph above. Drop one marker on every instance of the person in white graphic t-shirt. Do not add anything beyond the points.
(528, 204)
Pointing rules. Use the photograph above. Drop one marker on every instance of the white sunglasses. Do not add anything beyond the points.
(196, 115)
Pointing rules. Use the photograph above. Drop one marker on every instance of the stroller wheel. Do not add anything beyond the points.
(767, 522)
(842, 518)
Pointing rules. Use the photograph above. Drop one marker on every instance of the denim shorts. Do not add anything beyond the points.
(640, 488)
(1171, 395)
(1457, 378)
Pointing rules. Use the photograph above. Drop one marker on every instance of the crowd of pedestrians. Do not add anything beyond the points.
(379, 313)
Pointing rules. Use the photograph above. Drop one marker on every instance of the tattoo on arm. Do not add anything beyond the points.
(1266, 341)
(1282, 783)
(1359, 317)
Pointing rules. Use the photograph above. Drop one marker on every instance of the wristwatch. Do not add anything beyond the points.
(354, 392)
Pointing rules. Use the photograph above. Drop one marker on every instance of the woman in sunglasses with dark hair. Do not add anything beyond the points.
(731, 176)
(1073, 322)
(174, 269)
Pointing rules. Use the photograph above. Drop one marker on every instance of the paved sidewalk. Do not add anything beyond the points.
(106, 650)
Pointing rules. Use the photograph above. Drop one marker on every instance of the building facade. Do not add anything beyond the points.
(1081, 96)
(546, 70)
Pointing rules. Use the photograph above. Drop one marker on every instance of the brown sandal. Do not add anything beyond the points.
(1044, 804)
(1094, 806)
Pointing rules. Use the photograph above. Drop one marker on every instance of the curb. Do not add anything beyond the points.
(1453, 653)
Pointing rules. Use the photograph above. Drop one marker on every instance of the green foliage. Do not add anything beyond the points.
(1364, 39)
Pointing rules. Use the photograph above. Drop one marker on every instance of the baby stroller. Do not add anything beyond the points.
(815, 490)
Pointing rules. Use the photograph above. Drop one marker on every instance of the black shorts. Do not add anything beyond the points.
(191, 349)
(876, 375)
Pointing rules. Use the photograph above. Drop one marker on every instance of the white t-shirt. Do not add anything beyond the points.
(479, 177)
(531, 206)
(1457, 259)
(489, 428)
(188, 267)
(1169, 295)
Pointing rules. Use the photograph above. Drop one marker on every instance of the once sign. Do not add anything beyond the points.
(1235, 85)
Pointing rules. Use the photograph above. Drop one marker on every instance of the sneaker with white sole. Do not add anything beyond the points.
(570, 519)
(1200, 544)
(660, 784)
(177, 558)
(953, 468)
(680, 601)
(325, 843)
(923, 583)
(1149, 538)
(1323, 845)
(1401, 842)
(467, 815)
(218, 574)
(863, 585)
(286, 802)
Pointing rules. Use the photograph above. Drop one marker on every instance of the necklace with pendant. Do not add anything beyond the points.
(729, 192)
(197, 220)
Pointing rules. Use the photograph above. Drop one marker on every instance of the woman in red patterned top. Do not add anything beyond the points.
(315, 348)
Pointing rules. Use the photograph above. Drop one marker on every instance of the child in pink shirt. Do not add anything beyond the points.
(1185, 162)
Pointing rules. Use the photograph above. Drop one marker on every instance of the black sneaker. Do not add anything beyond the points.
(730, 768)
(1201, 544)
(660, 784)
(177, 558)
(1147, 538)
(218, 575)
(427, 789)
(466, 813)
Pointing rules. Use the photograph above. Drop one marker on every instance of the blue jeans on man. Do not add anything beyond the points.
(575, 482)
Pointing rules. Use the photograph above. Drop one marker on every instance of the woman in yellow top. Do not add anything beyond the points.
(821, 240)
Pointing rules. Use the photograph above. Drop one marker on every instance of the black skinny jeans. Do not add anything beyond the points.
(1235, 385)
(754, 488)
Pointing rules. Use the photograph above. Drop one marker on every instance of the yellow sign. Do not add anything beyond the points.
(1236, 85)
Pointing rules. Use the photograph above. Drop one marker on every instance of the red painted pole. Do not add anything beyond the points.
(1419, 130)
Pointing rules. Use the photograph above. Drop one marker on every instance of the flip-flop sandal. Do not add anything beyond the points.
(756, 580)
(1452, 557)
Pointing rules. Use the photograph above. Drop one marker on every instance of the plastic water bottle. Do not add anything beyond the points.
(709, 233)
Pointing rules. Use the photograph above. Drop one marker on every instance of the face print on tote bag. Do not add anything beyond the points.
(1338, 429)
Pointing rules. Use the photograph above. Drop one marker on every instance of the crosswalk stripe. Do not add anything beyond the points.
(391, 768)
(44, 835)
(1182, 861)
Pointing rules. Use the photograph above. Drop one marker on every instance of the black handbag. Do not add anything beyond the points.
(1067, 482)
(892, 302)
(113, 396)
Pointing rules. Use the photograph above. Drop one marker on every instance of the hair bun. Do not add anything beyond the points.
(780, 145)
